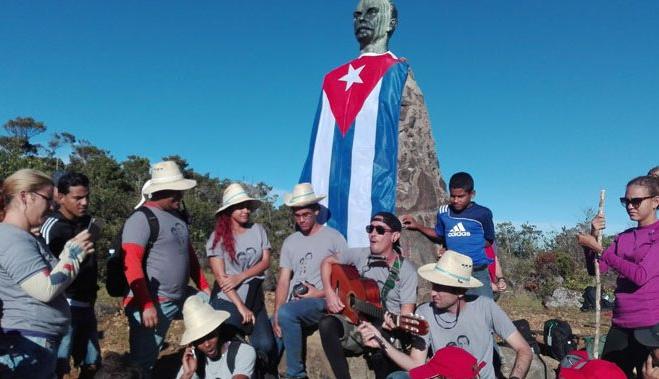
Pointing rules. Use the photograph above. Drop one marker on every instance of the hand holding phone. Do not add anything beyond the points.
(94, 228)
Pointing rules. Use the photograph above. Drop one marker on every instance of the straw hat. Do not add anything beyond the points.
(165, 176)
(236, 194)
(200, 319)
(302, 195)
(453, 269)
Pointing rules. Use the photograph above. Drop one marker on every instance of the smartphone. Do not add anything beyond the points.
(94, 228)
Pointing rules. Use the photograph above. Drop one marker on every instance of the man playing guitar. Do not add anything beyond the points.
(396, 279)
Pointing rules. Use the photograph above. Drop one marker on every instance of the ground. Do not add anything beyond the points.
(112, 324)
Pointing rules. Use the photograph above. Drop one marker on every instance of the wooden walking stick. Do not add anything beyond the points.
(598, 283)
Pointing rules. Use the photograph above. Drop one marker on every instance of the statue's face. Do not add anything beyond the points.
(372, 20)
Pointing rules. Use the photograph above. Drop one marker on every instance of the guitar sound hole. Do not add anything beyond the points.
(352, 300)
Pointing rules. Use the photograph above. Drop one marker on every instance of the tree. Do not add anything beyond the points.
(20, 130)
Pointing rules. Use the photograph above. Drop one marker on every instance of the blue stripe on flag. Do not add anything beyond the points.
(340, 179)
(305, 177)
(385, 168)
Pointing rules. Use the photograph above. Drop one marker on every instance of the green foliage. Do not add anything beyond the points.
(116, 186)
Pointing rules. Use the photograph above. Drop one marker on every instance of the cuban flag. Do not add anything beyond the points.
(353, 150)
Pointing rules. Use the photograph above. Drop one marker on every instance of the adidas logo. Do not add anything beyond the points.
(458, 231)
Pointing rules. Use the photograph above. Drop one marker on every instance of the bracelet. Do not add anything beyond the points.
(500, 278)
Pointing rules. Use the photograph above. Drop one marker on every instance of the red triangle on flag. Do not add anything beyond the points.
(348, 86)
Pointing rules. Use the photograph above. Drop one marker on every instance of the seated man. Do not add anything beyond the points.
(396, 280)
(209, 353)
(456, 320)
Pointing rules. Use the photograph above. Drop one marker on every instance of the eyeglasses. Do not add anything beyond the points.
(634, 201)
(381, 230)
(49, 200)
(305, 215)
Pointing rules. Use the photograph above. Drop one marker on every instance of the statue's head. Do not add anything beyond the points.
(374, 23)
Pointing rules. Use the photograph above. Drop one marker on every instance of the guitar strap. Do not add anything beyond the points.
(390, 282)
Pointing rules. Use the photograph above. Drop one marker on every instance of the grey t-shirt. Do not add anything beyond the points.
(369, 266)
(249, 251)
(245, 357)
(168, 262)
(472, 331)
(304, 254)
(21, 256)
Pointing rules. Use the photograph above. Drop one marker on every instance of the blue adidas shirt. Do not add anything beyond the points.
(466, 231)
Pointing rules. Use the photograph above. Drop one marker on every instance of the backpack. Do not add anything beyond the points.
(115, 278)
(557, 335)
(525, 330)
(231, 359)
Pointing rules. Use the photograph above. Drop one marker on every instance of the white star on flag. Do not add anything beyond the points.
(352, 76)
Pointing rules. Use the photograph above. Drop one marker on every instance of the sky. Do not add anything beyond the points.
(543, 102)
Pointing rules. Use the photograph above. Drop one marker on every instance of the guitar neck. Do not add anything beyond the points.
(371, 310)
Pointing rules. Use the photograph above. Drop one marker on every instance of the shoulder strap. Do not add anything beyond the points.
(231, 355)
(391, 281)
(154, 227)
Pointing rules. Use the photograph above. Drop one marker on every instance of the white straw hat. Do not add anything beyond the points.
(165, 176)
(453, 269)
(200, 319)
(236, 194)
(302, 195)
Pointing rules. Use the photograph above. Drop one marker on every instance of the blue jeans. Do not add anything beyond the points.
(145, 343)
(81, 340)
(399, 375)
(294, 317)
(486, 289)
(27, 357)
(261, 336)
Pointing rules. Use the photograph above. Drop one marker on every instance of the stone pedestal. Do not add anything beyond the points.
(421, 188)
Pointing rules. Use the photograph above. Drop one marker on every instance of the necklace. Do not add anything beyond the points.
(451, 323)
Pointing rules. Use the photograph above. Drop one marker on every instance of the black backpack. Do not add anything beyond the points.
(231, 359)
(525, 330)
(558, 337)
(115, 279)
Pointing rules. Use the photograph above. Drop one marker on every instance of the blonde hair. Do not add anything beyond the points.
(27, 180)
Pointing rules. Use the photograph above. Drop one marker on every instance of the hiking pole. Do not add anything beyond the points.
(598, 283)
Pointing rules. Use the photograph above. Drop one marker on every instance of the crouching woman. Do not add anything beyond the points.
(209, 352)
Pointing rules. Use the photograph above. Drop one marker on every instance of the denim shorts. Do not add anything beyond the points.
(27, 356)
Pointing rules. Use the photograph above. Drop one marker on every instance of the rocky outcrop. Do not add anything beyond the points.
(421, 188)
(563, 297)
(541, 367)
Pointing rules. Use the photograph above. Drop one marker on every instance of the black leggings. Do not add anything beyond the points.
(625, 351)
(331, 331)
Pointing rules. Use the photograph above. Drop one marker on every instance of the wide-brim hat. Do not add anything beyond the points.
(452, 269)
(236, 194)
(200, 319)
(165, 175)
(648, 336)
(302, 195)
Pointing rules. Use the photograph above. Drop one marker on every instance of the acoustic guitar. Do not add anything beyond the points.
(361, 297)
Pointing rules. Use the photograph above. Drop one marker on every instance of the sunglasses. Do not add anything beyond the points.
(634, 201)
(379, 229)
(49, 200)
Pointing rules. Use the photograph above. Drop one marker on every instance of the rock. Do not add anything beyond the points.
(318, 366)
(421, 189)
(537, 369)
(563, 297)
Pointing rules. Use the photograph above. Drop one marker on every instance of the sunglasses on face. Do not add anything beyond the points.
(379, 229)
(634, 201)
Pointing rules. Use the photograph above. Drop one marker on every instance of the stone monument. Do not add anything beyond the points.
(372, 147)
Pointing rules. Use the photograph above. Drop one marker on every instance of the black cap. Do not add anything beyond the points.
(390, 219)
(648, 336)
